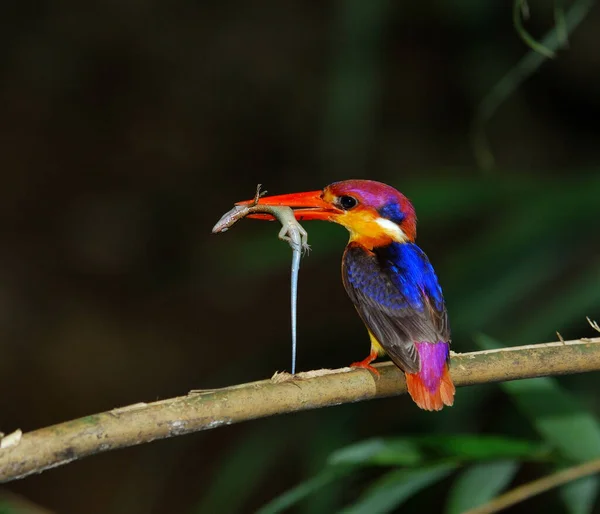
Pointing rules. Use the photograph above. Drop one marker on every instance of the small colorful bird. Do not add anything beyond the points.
(389, 279)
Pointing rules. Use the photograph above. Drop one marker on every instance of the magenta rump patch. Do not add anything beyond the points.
(433, 361)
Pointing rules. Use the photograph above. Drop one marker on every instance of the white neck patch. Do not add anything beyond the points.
(392, 230)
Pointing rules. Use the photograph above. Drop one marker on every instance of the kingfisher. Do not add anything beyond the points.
(389, 279)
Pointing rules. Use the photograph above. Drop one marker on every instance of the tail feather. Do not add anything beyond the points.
(426, 398)
(431, 388)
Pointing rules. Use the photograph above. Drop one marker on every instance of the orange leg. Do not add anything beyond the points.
(366, 363)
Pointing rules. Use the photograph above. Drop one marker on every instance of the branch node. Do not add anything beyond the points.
(12, 439)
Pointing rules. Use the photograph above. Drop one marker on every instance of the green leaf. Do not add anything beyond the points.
(403, 452)
(564, 423)
(479, 484)
(579, 496)
(406, 451)
(396, 487)
(556, 415)
(302, 490)
(483, 447)
(412, 451)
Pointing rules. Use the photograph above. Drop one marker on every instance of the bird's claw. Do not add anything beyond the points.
(364, 365)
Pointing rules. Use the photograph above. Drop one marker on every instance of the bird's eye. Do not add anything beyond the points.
(347, 202)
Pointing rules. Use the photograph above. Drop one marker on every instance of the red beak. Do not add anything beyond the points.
(306, 206)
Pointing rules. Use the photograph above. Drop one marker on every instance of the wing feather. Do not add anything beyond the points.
(396, 293)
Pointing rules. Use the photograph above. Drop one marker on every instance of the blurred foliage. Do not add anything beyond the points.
(554, 413)
(422, 461)
(130, 127)
(556, 38)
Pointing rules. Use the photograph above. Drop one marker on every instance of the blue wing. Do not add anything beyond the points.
(397, 295)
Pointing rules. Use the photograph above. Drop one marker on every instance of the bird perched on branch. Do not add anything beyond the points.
(389, 279)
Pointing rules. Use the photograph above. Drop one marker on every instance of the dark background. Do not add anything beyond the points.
(129, 127)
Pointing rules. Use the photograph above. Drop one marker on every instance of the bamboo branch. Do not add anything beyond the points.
(141, 423)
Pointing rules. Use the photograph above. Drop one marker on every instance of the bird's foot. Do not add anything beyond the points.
(366, 364)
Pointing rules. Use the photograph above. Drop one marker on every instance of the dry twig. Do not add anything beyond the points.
(535, 487)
